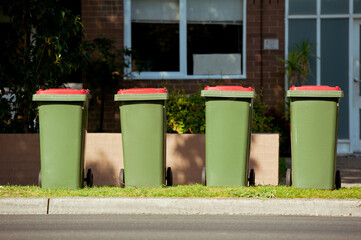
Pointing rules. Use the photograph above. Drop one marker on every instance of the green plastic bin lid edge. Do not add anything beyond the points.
(62, 94)
(138, 94)
(228, 91)
(315, 91)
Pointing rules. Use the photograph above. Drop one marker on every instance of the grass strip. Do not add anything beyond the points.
(262, 192)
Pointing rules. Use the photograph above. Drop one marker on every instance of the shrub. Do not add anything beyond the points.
(262, 123)
(42, 51)
(185, 113)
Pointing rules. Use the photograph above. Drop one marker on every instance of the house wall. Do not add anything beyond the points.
(265, 20)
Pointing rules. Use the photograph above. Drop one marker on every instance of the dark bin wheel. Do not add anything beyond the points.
(89, 178)
(288, 177)
(169, 177)
(121, 178)
(204, 176)
(252, 178)
(39, 179)
(338, 179)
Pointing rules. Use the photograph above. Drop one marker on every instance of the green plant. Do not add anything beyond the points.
(262, 123)
(185, 113)
(42, 51)
(297, 69)
(297, 66)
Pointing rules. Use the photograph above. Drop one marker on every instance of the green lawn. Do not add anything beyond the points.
(262, 192)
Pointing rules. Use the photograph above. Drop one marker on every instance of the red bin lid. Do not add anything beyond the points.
(229, 88)
(315, 88)
(142, 91)
(62, 91)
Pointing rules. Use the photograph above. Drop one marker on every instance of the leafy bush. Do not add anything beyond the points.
(42, 50)
(262, 123)
(185, 113)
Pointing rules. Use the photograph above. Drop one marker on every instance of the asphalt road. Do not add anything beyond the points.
(86, 227)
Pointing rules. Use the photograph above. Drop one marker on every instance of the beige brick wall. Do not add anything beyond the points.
(20, 158)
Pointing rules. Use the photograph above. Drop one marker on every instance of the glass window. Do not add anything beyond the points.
(357, 6)
(302, 7)
(334, 65)
(304, 30)
(334, 6)
(155, 35)
(214, 37)
(180, 38)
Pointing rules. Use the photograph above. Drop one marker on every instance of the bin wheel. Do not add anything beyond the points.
(338, 179)
(169, 177)
(89, 178)
(121, 178)
(204, 176)
(252, 178)
(39, 179)
(288, 177)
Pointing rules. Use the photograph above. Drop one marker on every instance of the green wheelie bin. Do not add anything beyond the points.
(314, 121)
(228, 135)
(63, 117)
(143, 119)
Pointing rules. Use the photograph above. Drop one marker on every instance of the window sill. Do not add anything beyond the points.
(175, 75)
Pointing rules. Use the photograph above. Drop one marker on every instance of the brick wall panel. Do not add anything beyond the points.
(106, 18)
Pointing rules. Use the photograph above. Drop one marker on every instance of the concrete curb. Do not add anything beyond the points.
(309, 207)
(89, 205)
(23, 205)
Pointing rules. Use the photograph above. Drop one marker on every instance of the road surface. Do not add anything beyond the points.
(87, 227)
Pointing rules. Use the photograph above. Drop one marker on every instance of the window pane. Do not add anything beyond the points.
(155, 35)
(214, 37)
(156, 46)
(155, 10)
(302, 7)
(334, 65)
(357, 6)
(215, 10)
(334, 6)
(304, 30)
(214, 49)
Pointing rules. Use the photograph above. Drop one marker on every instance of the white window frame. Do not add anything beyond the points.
(182, 74)
(343, 145)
